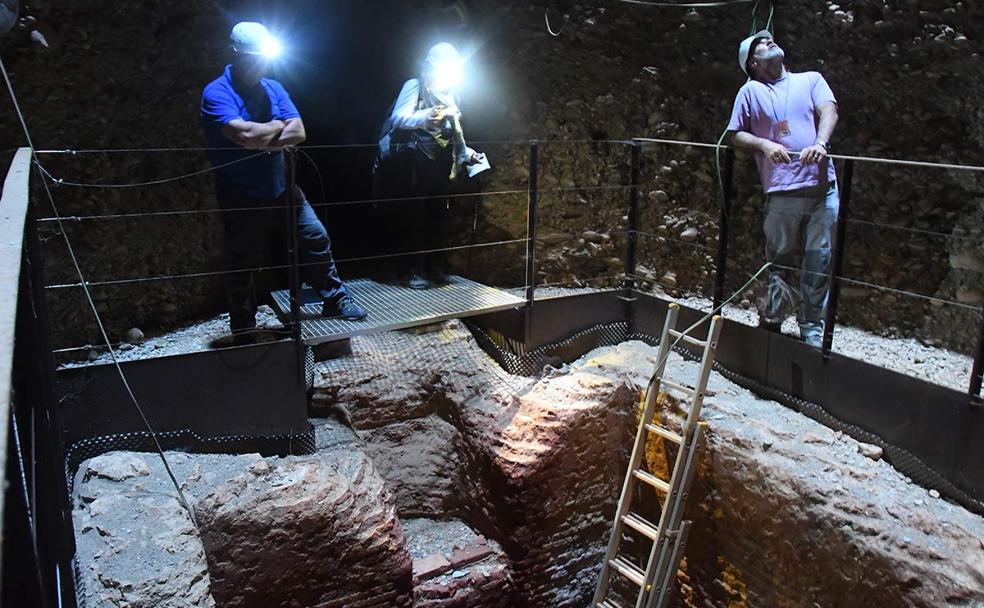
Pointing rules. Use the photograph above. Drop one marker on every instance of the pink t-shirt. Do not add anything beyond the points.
(784, 112)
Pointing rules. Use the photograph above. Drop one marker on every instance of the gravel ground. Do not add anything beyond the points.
(905, 355)
(908, 356)
(428, 537)
(205, 335)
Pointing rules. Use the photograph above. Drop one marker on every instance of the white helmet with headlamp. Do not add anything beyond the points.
(443, 67)
(251, 38)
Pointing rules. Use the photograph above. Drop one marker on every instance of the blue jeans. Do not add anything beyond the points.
(800, 222)
(247, 235)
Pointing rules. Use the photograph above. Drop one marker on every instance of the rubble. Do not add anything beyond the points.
(455, 567)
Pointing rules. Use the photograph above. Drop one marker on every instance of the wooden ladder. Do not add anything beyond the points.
(669, 536)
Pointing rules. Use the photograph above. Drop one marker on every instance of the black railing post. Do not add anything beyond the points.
(837, 257)
(977, 374)
(293, 239)
(727, 195)
(632, 237)
(531, 233)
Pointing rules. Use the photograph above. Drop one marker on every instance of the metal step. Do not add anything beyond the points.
(640, 525)
(665, 433)
(669, 535)
(652, 480)
(628, 570)
(688, 390)
(687, 339)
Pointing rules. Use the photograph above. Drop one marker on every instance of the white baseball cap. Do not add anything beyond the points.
(251, 38)
(746, 47)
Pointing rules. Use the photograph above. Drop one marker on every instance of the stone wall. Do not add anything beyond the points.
(907, 79)
(907, 76)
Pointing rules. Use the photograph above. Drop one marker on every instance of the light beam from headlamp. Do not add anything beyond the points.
(271, 49)
(448, 75)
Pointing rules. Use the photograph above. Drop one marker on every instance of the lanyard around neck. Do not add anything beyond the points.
(772, 98)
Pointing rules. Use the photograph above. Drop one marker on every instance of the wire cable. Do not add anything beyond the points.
(118, 216)
(156, 182)
(720, 3)
(903, 292)
(467, 195)
(317, 170)
(92, 304)
(214, 273)
(653, 235)
(953, 235)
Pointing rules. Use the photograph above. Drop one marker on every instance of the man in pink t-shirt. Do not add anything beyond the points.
(787, 119)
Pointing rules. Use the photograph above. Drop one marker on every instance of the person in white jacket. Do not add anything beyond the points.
(421, 152)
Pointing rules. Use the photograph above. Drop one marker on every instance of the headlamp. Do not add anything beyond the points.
(448, 75)
(271, 48)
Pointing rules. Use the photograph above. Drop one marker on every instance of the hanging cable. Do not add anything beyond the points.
(546, 18)
(92, 304)
(708, 316)
(321, 181)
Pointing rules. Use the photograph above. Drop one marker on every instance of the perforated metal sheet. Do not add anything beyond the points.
(396, 307)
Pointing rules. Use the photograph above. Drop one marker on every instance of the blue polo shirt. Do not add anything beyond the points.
(226, 99)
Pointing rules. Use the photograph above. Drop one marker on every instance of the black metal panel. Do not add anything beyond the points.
(250, 390)
(555, 319)
(742, 349)
(941, 428)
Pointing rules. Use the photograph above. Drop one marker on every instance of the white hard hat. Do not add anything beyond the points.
(441, 53)
(746, 47)
(251, 38)
(443, 67)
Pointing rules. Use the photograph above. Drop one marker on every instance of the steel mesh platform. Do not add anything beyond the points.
(392, 306)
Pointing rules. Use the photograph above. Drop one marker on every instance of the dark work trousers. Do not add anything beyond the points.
(418, 224)
(247, 238)
(800, 222)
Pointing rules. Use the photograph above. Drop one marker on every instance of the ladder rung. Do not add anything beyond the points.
(652, 480)
(640, 525)
(628, 570)
(665, 433)
(688, 339)
(685, 389)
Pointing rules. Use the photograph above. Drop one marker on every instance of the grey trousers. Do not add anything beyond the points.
(799, 222)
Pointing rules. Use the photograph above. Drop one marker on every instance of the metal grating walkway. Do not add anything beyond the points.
(395, 307)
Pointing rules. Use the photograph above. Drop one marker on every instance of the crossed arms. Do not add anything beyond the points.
(273, 135)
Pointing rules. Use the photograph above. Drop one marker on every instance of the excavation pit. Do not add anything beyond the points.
(464, 485)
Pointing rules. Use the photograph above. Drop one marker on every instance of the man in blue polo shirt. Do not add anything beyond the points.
(248, 120)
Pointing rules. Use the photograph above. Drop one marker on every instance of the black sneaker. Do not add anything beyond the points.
(772, 326)
(345, 308)
(418, 282)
